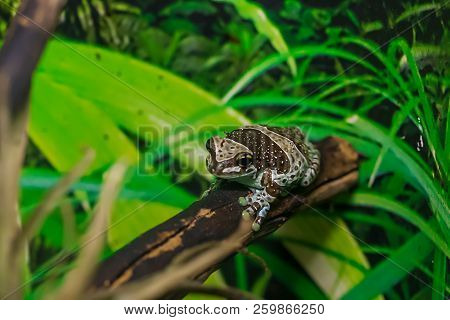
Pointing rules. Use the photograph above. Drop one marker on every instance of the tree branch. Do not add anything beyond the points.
(214, 219)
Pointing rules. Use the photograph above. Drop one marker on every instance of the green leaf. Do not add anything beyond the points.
(397, 122)
(275, 60)
(386, 224)
(402, 151)
(260, 285)
(148, 101)
(131, 218)
(144, 201)
(144, 187)
(418, 9)
(241, 271)
(64, 125)
(187, 8)
(390, 271)
(373, 200)
(439, 275)
(426, 114)
(262, 23)
(311, 238)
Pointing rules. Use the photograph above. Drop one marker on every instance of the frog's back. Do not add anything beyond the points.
(292, 133)
(266, 152)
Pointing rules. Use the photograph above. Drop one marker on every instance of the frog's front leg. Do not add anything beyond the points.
(259, 201)
(214, 185)
(259, 205)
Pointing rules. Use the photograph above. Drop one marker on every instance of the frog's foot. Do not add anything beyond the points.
(258, 205)
(248, 213)
(256, 226)
(250, 198)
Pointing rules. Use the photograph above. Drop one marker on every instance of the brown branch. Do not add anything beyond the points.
(215, 219)
(23, 46)
(161, 283)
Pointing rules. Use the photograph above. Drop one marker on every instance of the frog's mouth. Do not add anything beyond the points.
(225, 171)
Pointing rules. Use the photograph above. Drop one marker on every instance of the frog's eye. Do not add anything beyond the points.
(244, 160)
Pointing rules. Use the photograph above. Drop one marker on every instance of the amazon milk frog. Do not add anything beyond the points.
(269, 160)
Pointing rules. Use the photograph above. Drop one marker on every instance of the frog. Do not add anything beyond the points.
(268, 160)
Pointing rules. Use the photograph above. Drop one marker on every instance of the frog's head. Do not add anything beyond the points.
(228, 159)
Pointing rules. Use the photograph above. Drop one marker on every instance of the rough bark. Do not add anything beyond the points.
(217, 216)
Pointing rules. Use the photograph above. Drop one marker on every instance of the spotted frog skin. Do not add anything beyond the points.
(269, 160)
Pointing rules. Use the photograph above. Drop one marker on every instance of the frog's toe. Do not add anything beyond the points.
(248, 213)
(243, 201)
(256, 226)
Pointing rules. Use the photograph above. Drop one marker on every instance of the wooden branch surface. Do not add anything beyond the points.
(217, 216)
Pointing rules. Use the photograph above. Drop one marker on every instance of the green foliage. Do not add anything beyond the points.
(131, 218)
(264, 26)
(64, 132)
(338, 264)
(297, 282)
(131, 65)
(143, 99)
(392, 270)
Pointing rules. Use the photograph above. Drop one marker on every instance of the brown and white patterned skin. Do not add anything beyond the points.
(269, 160)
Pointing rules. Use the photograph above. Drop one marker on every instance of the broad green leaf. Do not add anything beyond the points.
(262, 23)
(310, 237)
(148, 101)
(394, 268)
(63, 125)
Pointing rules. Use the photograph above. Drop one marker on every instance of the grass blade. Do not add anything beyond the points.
(296, 282)
(374, 200)
(241, 272)
(389, 272)
(437, 200)
(439, 275)
(273, 61)
(429, 128)
(262, 23)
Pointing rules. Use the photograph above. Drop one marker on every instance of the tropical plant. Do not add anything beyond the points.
(331, 71)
